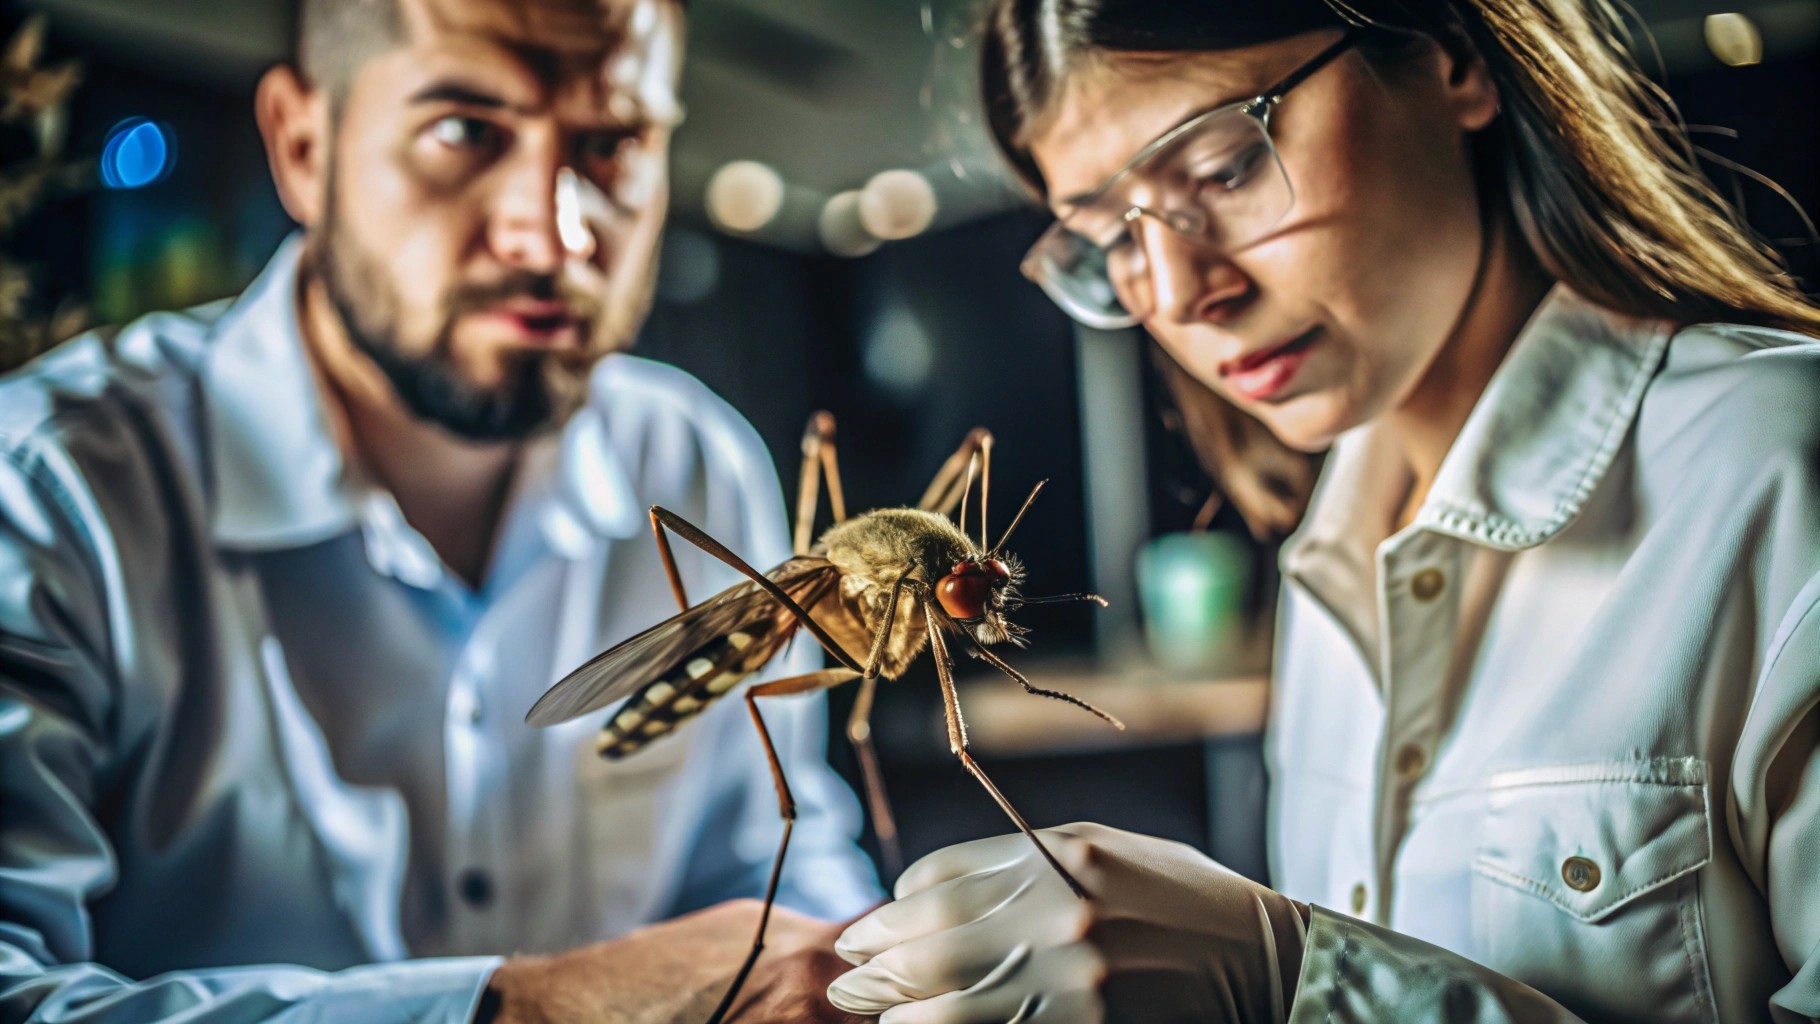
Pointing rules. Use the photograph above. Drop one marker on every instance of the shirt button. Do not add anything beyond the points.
(1580, 874)
(476, 888)
(1358, 898)
(1428, 584)
(1411, 762)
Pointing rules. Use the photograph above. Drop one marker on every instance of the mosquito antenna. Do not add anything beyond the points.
(985, 483)
(1063, 598)
(1034, 491)
(973, 464)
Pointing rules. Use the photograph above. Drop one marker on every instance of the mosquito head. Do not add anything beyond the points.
(978, 591)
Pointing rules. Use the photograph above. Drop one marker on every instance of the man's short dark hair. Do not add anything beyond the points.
(336, 37)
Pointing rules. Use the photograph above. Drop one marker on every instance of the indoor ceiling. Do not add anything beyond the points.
(827, 92)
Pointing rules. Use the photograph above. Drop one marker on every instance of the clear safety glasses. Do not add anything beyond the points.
(1215, 178)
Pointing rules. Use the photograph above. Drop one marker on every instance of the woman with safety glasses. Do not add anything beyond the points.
(1546, 732)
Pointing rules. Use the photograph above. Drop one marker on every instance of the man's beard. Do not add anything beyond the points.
(538, 388)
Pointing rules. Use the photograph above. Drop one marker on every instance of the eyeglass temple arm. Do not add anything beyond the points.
(1274, 95)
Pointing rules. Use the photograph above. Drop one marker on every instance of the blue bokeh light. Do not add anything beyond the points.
(139, 152)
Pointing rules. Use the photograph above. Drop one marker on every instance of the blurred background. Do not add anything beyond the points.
(842, 238)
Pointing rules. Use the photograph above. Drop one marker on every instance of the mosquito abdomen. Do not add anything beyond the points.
(698, 680)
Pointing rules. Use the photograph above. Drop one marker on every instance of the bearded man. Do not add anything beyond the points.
(279, 577)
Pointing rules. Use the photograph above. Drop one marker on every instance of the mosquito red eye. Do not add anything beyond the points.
(996, 569)
(963, 595)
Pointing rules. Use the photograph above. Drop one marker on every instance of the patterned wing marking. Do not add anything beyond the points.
(632, 665)
(708, 674)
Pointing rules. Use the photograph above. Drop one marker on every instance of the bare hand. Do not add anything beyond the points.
(677, 971)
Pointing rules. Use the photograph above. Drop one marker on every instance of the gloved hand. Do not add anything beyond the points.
(988, 932)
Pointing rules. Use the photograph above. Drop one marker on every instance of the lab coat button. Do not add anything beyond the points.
(1412, 761)
(1427, 584)
(1358, 898)
(1580, 874)
(476, 888)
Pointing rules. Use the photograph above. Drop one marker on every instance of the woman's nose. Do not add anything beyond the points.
(1193, 281)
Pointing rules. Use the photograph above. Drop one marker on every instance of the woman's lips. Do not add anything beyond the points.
(1263, 375)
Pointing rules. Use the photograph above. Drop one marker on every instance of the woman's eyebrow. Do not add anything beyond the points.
(1080, 197)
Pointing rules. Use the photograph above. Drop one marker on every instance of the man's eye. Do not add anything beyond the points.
(598, 148)
(465, 133)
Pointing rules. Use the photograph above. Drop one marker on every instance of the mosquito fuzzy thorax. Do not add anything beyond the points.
(874, 549)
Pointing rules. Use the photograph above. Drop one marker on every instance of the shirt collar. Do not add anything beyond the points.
(281, 481)
(1534, 447)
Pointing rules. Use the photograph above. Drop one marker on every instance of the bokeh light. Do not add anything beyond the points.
(138, 152)
(1734, 39)
(897, 204)
(745, 195)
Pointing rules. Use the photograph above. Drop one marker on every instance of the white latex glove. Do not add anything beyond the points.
(988, 932)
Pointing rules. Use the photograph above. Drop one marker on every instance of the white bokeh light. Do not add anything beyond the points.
(745, 195)
(1734, 39)
(840, 228)
(897, 204)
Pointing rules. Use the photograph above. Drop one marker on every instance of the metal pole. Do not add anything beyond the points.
(1110, 371)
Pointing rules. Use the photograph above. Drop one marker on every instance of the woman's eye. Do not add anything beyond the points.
(465, 133)
(1237, 170)
(1116, 245)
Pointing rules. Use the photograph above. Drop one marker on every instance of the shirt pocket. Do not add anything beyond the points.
(1586, 874)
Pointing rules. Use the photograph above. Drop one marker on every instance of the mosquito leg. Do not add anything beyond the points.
(1209, 508)
(669, 557)
(878, 802)
(945, 490)
(694, 535)
(859, 733)
(957, 741)
(818, 433)
(786, 809)
(837, 499)
(1002, 665)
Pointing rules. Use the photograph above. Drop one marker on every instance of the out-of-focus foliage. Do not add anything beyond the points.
(33, 119)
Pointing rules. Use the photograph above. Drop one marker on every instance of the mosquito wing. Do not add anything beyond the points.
(638, 661)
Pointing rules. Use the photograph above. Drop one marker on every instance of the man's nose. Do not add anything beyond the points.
(527, 231)
(1194, 282)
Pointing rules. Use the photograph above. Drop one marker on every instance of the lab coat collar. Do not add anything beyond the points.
(281, 480)
(1551, 421)
(1536, 444)
(579, 488)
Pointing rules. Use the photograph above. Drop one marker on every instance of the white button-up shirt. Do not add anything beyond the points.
(1563, 726)
(254, 735)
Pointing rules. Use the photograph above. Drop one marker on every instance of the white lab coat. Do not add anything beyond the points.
(1563, 727)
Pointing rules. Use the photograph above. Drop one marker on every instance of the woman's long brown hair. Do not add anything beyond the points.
(1588, 156)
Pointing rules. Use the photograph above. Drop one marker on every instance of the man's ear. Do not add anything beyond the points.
(294, 119)
(1467, 83)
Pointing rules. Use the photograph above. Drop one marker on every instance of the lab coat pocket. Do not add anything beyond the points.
(1586, 874)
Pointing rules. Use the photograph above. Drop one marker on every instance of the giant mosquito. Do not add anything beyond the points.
(846, 589)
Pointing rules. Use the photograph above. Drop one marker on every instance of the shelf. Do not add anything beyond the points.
(1156, 708)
